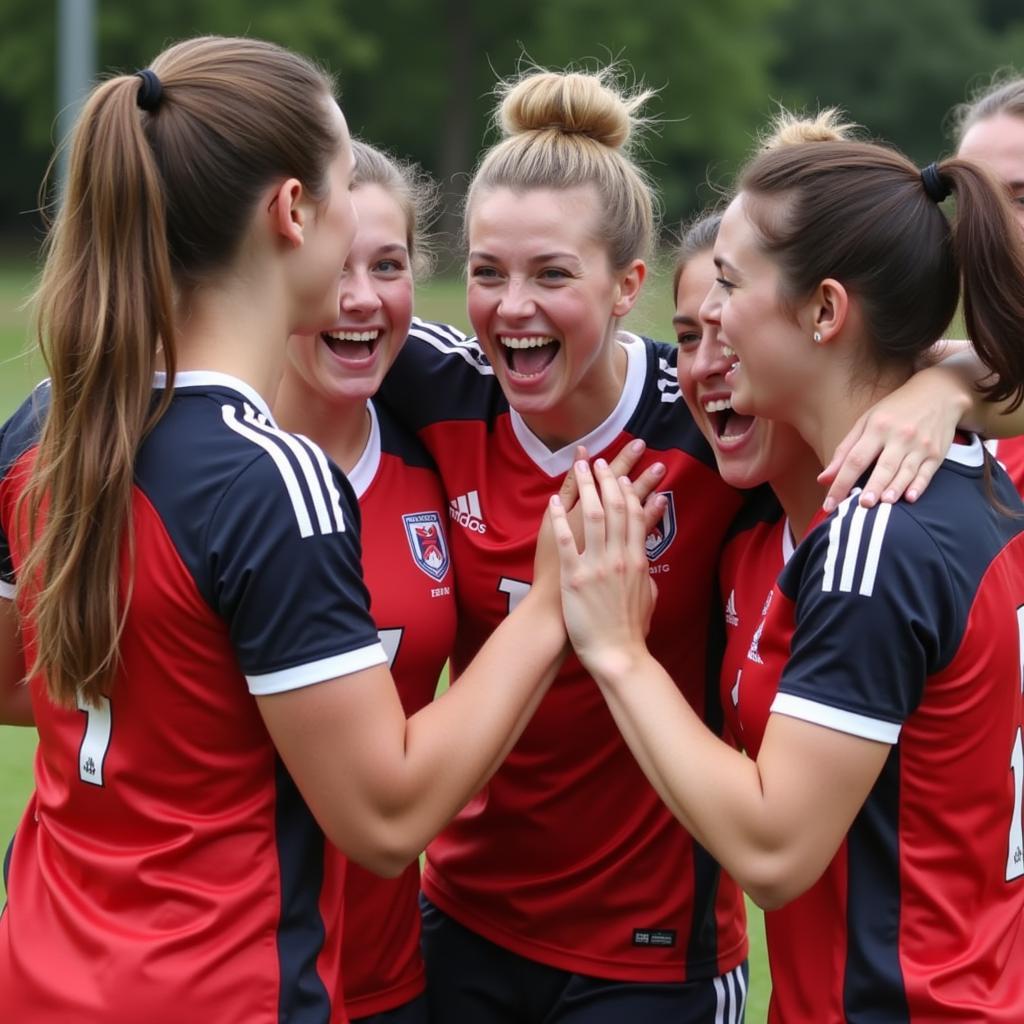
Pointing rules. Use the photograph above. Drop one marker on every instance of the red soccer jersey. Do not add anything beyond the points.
(1010, 453)
(903, 624)
(568, 856)
(408, 570)
(166, 868)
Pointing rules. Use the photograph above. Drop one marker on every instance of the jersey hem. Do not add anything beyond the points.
(389, 999)
(317, 671)
(576, 963)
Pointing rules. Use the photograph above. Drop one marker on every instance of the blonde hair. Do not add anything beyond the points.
(571, 129)
(787, 128)
(157, 200)
(1003, 95)
(412, 189)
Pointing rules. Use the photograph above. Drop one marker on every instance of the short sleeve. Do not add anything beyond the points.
(283, 558)
(874, 616)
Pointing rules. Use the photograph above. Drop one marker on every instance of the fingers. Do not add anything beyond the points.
(851, 458)
(653, 509)
(590, 507)
(569, 492)
(646, 482)
(626, 459)
(568, 556)
(613, 501)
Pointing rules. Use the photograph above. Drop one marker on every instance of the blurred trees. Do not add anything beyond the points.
(418, 77)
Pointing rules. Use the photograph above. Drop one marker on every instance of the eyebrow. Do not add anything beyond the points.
(544, 257)
(392, 247)
(689, 321)
(722, 263)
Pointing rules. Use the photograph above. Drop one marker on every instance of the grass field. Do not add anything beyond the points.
(442, 299)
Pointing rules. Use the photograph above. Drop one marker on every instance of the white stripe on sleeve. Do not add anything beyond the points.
(317, 671)
(835, 718)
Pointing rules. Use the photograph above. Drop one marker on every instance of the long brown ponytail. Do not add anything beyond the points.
(156, 200)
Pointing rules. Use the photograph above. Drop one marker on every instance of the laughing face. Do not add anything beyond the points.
(349, 361)
(748, 450)
(999, 142)
(544, 300)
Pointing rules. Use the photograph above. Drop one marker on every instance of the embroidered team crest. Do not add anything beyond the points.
(664, 530)
(427, 543)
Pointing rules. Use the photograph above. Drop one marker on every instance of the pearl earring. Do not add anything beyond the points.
(817, 337)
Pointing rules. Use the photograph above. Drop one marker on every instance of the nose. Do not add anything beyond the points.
(358, 294)
(710, 312)
(709, 359)
(516, 301)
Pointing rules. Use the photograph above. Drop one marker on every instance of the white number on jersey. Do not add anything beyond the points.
(389, 640)
(516, 590)
(93, 751)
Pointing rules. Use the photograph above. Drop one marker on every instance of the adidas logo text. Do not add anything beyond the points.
(465, 510)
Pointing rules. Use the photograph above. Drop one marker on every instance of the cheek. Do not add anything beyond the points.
(397, 300)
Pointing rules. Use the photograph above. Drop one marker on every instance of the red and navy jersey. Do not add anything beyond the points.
(903, 624)
(758, 545)
(1009, 451)
(407, 566)
(568, 856)
(166, 867)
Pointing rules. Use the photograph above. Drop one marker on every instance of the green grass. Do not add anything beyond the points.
(441, 299)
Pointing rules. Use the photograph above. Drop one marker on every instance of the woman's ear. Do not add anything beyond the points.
(287, 215)
(830, 307)
(628, 284)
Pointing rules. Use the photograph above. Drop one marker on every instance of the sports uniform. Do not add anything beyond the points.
(407, 567)
(166, 867)
(1010, 453)
(903, 624)
(568, 857)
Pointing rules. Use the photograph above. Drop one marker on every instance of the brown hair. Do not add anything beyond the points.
(859, 212)
(571, 129)
(786, 128)
(412, 189)
(156, 202)
(1003, 95)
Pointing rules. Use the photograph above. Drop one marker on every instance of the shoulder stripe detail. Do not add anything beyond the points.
(277, 444)
(449, 342)
(314, 482)
(8, 591)
(832, 554)
(849, 545)
(835, 718)
(317, 671)
(333, 494)
(867, 581)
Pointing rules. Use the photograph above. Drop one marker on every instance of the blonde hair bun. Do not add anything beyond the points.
(591, 104)
(789, 129)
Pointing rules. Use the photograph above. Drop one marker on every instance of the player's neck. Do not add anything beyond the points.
(341, 428)
(799, 492)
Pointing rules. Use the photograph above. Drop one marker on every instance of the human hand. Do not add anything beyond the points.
(607, 591)
(908, 432)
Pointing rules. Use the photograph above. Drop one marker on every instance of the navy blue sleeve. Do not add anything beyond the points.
(875, 615)
(440, 375)
(283, 558)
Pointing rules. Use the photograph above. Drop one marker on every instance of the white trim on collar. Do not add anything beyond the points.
(364, 471)
(557, 463)
(211, 378)
(972, 454)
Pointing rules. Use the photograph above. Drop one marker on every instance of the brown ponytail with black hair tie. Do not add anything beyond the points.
(151, 92)
(938, 190)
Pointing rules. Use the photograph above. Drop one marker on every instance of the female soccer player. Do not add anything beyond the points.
(565, 891)
(881, 693)
(181, 577)
(326, 393)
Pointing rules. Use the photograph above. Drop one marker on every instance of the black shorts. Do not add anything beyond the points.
(470, 980)
(412, 1012)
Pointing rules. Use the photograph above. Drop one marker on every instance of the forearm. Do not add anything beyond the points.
(15, 698)
(715, 791)
(964, 372)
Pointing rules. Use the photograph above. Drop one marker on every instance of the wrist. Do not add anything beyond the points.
(614, 666)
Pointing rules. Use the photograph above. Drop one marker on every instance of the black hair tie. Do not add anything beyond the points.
(936, 188)
(151, 91)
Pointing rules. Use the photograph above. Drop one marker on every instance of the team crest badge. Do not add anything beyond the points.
(427, 543)
(664, 531)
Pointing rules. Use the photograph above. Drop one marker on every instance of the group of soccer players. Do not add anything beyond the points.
(242, 529)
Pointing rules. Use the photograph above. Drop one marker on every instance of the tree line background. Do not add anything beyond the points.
(417, 76)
